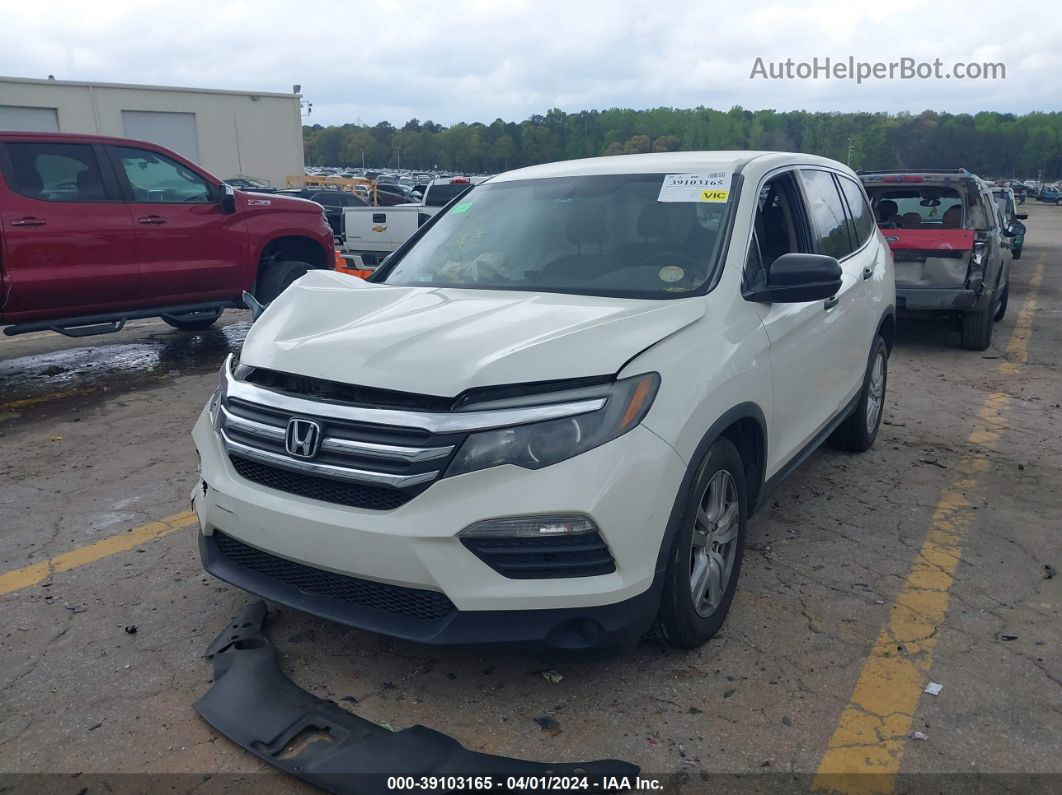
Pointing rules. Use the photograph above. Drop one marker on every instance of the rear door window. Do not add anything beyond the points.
(828, 220)
(57, 172)
(861, 217)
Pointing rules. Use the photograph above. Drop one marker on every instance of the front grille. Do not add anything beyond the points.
(409, 602)
(354, 495)
(544, 557)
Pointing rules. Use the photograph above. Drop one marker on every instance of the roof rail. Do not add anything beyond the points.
(960, 171)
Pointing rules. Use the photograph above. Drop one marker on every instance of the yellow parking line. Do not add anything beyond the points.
(1018, 348)
(97, 550)
(866, 749)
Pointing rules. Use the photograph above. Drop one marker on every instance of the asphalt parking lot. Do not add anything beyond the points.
(932, 558)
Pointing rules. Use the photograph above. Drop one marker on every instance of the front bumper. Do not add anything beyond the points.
(627, 487)
(569, 629)
(922, 298)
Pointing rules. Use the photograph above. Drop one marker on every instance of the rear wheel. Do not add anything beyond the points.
(977, 328)
(1001, 303)
(278, 277)
(193, 322)
(704, 561)
(859, 430)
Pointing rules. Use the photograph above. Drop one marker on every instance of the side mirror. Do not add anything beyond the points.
(797, 278)
(228, 199)
(252, 303)
(1021, 216)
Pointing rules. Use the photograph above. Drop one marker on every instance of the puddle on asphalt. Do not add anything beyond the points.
(81, 369)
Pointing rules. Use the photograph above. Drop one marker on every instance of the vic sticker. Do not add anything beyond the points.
(709, 186)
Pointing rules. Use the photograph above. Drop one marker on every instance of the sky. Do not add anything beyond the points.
(477, 60)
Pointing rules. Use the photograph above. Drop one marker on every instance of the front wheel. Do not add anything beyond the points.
(278, 277)
(859, 430)
(704, 561)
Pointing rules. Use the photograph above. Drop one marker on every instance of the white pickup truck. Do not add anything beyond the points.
(371, 233)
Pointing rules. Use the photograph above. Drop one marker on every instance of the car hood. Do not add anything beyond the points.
(442, 341)
(279, 201)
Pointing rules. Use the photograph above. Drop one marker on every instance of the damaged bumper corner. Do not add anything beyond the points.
(254, 704)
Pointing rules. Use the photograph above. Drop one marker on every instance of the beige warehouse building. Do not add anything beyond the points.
(226, 132)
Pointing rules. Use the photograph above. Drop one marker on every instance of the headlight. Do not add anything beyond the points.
(543, 443)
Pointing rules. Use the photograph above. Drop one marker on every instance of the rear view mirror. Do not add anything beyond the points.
(796, 278)
(228, 199)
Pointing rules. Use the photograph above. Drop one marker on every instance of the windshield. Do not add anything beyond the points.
(599, 235)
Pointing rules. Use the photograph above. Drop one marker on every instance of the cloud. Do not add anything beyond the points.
(477, 60)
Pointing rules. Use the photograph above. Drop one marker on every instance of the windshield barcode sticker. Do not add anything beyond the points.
(712, 186)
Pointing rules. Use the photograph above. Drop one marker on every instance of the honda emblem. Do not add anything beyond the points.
(302, 438)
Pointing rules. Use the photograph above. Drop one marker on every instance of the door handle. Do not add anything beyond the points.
(151, 219)
(868, 271)
(29, 220)
(831, 302)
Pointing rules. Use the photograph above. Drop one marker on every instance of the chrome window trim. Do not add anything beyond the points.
(433, 422)
(326, 470)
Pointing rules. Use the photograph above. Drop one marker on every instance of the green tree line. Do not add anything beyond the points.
(988, 143)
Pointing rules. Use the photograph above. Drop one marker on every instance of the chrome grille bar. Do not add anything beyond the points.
(410, 454)
(333, 444)
(327, 470)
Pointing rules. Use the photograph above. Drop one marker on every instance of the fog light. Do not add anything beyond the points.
(531, 527)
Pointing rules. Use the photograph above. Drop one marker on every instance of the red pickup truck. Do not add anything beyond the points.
(96, 231)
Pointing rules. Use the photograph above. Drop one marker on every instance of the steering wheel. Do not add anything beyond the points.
(670, 263)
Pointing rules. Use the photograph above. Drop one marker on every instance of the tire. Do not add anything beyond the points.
(680, 623)
(1001, 304)
(1058, 202)
(977, 328)
(859, 430)
(1016, 253)
(278, 277)
(196, 322)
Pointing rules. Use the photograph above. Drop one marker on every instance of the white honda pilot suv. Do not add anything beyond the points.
(547, 418)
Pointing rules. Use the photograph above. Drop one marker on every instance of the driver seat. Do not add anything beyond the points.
(587, 232)
(657, 236)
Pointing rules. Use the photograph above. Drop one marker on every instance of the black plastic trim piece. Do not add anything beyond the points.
(254, 704)
(543, 558)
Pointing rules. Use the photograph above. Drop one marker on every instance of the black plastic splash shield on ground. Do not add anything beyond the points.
(254, 704)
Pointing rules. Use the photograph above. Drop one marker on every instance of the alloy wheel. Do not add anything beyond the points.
(876, 392)
(714, 548)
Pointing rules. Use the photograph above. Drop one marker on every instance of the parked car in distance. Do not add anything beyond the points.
(1051, 195)
(1007, 202)
(334, 203)
(948, 244)
(253, 184)
(547, 419)
(95, 231)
